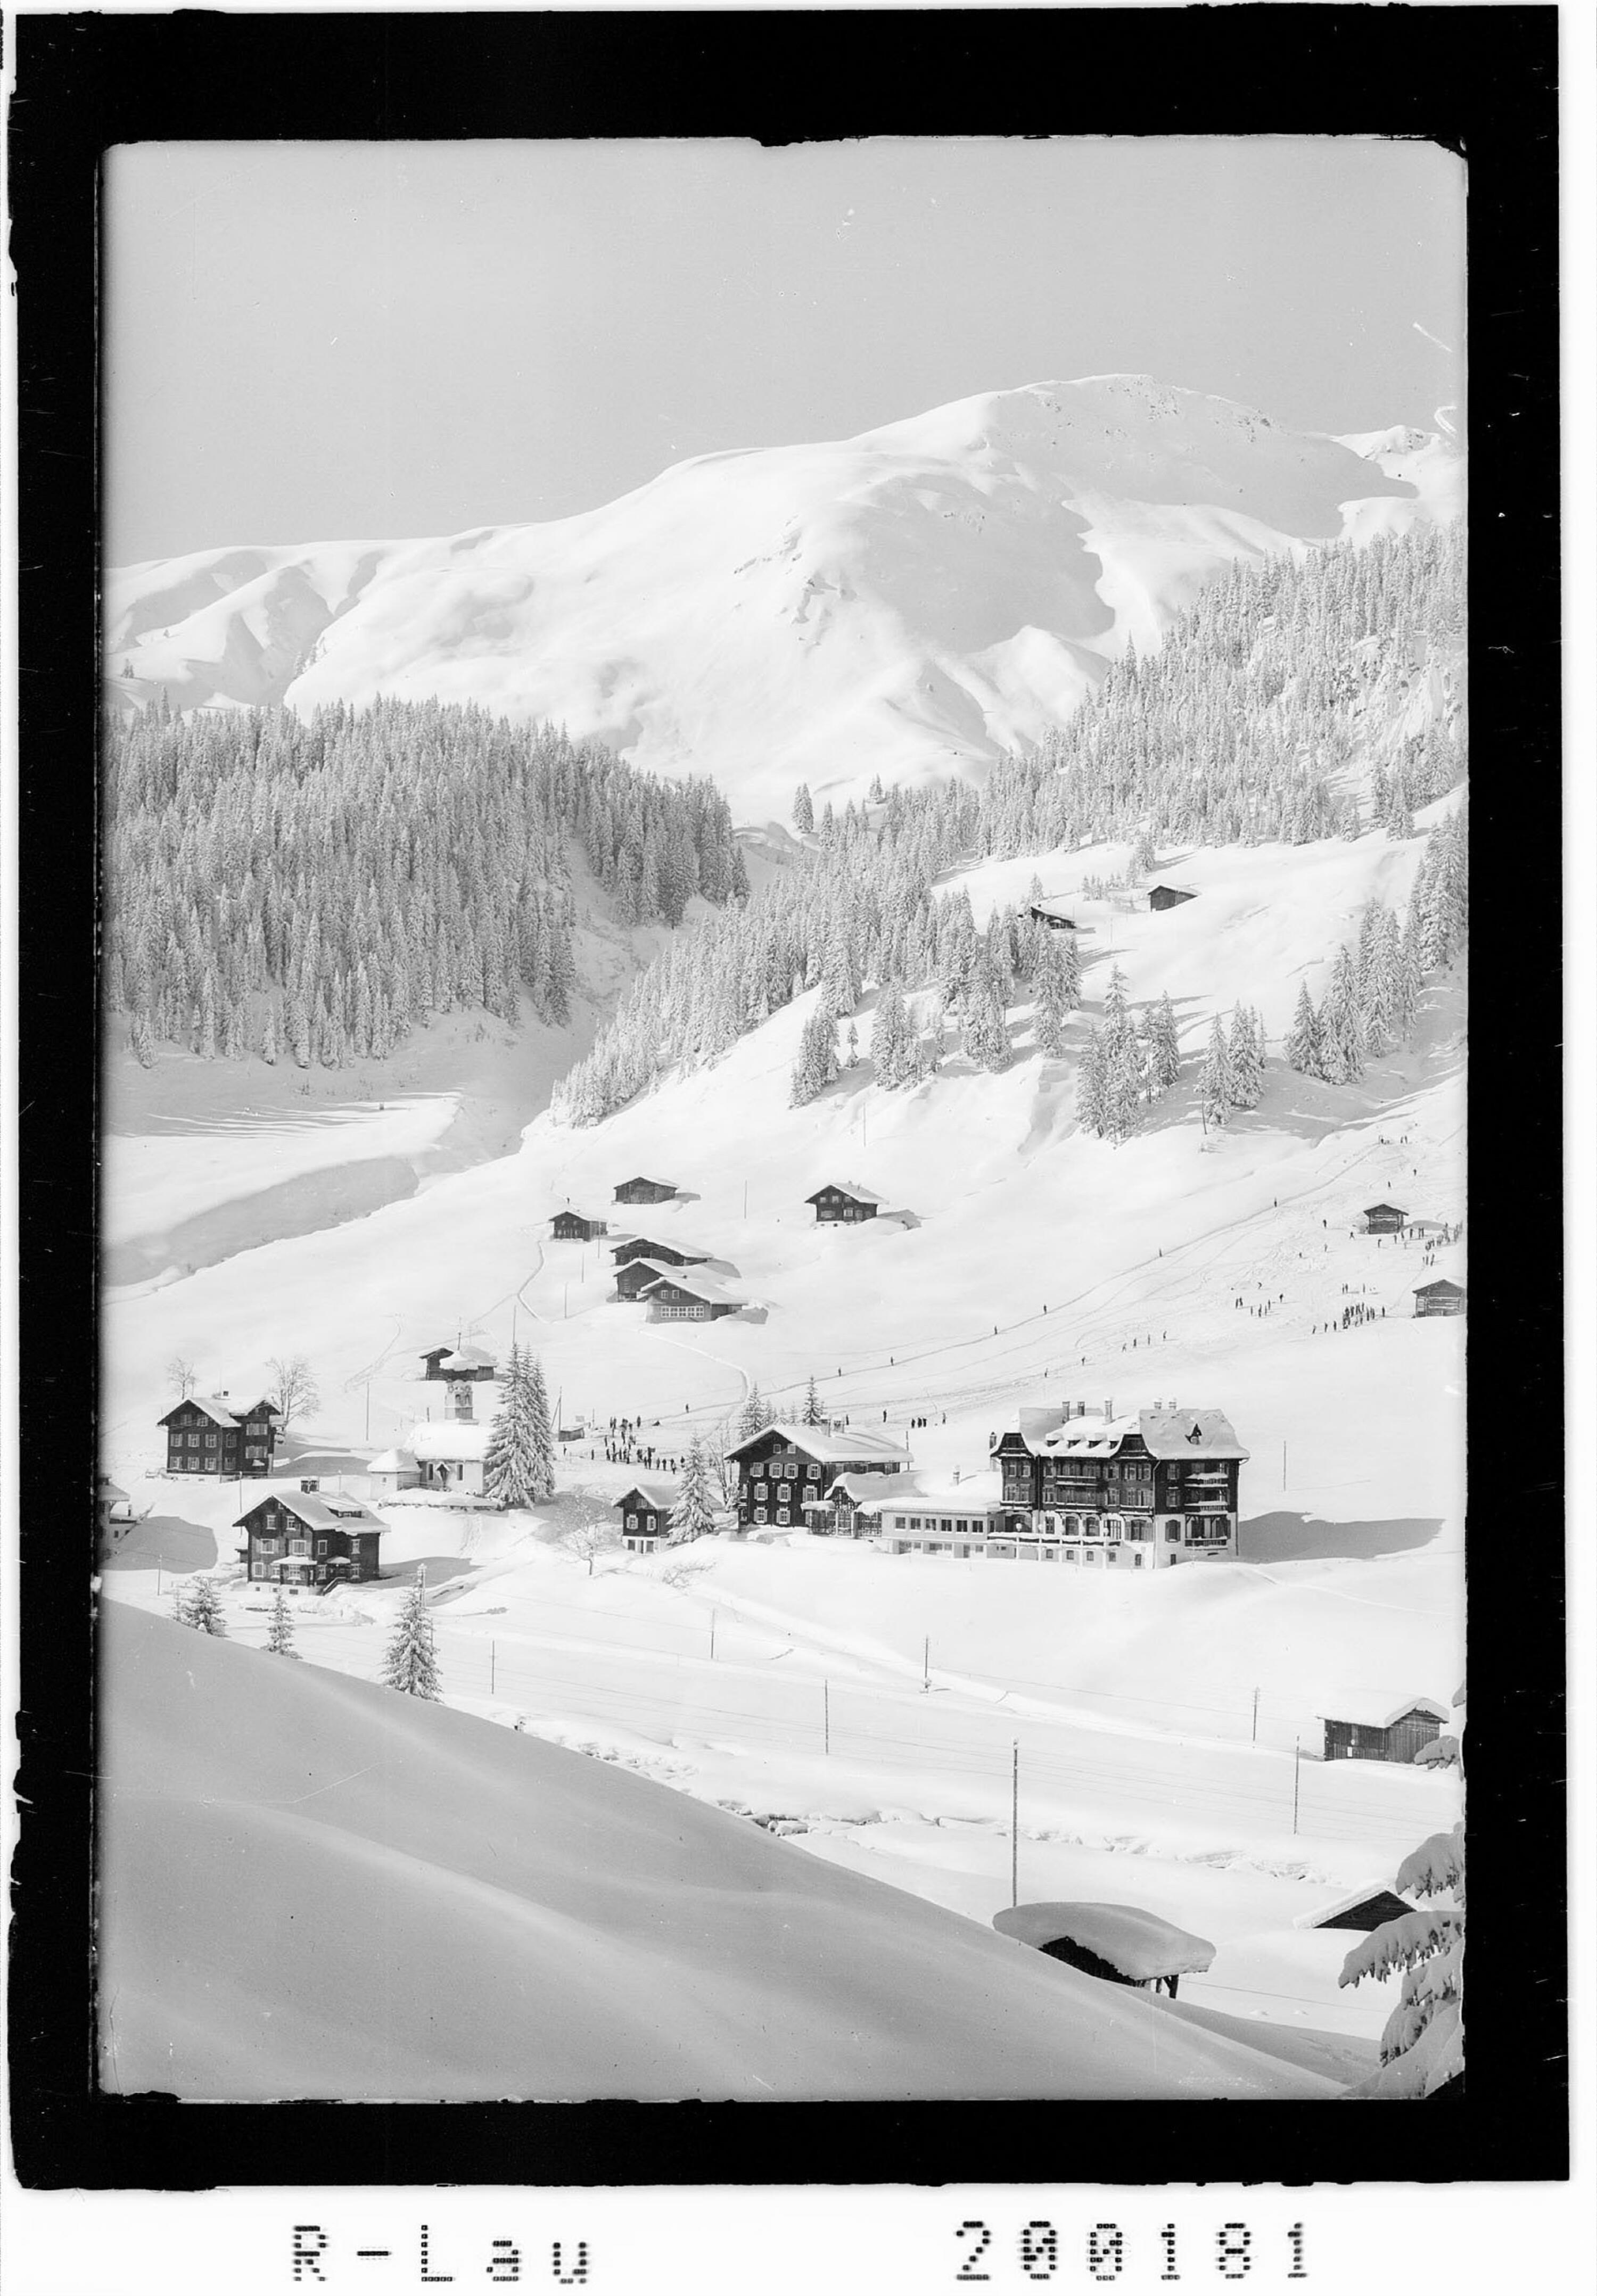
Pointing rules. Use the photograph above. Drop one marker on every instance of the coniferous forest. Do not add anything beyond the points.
(312, 888)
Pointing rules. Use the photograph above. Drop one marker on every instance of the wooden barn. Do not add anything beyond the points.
(637, 1276)
(647, 1247)
(459, 1363)
(786, 1468)
(1370, 1734)
(1053, 914)
(208, 1435)
(646, 1192)
(835, 1202)
(1122, 1945)
(1439, 1298)
(1384, 1219)
(574, 1227)
(675, 1297)
(645, 1512)
(1168, 897)
(309, 1537)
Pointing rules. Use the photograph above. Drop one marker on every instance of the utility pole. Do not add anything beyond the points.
(492, 1668)
(745, 1200)
(368, 1411)
(925, 1664)
(825, 1710)
(1255, 1717)
(1297, 1766)
(1015, 1825)
(713, 1634)
(564, 1293)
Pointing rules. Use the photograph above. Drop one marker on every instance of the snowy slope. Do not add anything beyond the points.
(313, 1887)
(904, 602)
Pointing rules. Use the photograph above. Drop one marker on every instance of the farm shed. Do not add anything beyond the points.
(1439, 1298)
(1124, 1944)
(1370, 1733)
(1168, 897)
(645, 1192)
(576, 1227)
(1384, 1219)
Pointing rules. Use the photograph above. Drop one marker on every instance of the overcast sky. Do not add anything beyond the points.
(366, 341)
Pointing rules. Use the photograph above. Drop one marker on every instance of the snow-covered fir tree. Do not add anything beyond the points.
(755, 1415)
(1342, 1023)
(985, 1038)
(1244, 1058)
(816, 1066)
(1058, 989)
(280, 1626)
(1161, 1047)
(203, 1607)
(813, 1415)
(518, 1469)
(891, 1038)
(803, 810)
(694, 1514)
(1422, 2045)
(410, 1662)
(1303, 1037)
(1090, 1083)
(1215, 1078)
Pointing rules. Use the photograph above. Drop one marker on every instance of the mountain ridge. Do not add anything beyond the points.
(910, 601)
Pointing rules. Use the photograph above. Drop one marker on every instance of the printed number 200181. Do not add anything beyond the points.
(1105, 2253)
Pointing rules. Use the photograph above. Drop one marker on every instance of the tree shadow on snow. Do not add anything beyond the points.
(1283, 1538)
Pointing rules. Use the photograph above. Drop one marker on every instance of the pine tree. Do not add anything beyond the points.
(280, 1632)
(694, 1514)
(1244, 1059)
(519, 1467)
(1342, 1023)
(1163, 1047)
(1422, 2046)
(1090, 1083)
(816, 1066)
(753, 1418)
(1056, 993)
(803, 810)
(891, 1036)
(985, 1038)
(202, 1609)
(410, 1662)
(814, 1416)
(1302, 1038)
(1215, 1077)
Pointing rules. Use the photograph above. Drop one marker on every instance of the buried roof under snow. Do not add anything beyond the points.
(1140, 1945)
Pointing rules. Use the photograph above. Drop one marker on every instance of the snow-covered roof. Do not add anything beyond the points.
(210, 1404)
(392, 1462)
(467, 1360)
(1424, 1226)
(1369, 1208)
(1344, 1904)
(972, 1493)
(832, 1450)
(451, 1439)
(662, 1243)
(701, 1287)
(1048, 907)
(1441, 1283)
(642, 1180)
(320, 1511)
(1139, 1944)
(1200, 1434)
(846, 1188)
(662, 1496)
(110, 1490)
(1375, 1712)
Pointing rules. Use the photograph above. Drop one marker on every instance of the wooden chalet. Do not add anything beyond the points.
(676, 1296)
(309, 1537)
(1384, 1219)
(1168, 897)
(645, 1512)
(785, 1469)
(834, 1203)
(637, 1276)
(1367, 1733)
(209, 1435)
(459, 1363)
(1121, 1945)
(648, 1247)
(1439, 1298)
(1151, 1489)
(646, 1192)
(1053, 914)
(574, 1227)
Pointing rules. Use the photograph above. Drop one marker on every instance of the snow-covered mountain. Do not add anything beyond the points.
(904, 602)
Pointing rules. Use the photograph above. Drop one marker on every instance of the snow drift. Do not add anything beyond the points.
(905, 603)
(309, 1886)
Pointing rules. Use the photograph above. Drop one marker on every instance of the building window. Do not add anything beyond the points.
(1173, 1531)
(321, 1547)
(298, 1546)
(194, 1442)
(211, 1442)
(191, 1465)
(1072, 1555)
(631, 1523)
(1090, 1527)
(783, 1515)
(258, 1571)
(761, 1492)
(759, 1514)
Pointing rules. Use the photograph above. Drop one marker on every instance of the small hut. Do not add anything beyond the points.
(1366, 1731)
(1363, 1909)
(1439, 1298)
(1053, 915)
(1122, 1945)
(650, 1247)
(459, 1363)
(844, 1201)
(1168, 897)
(575, 1227)
(645, 1192)
(1384, 1219)
(393, 1470)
